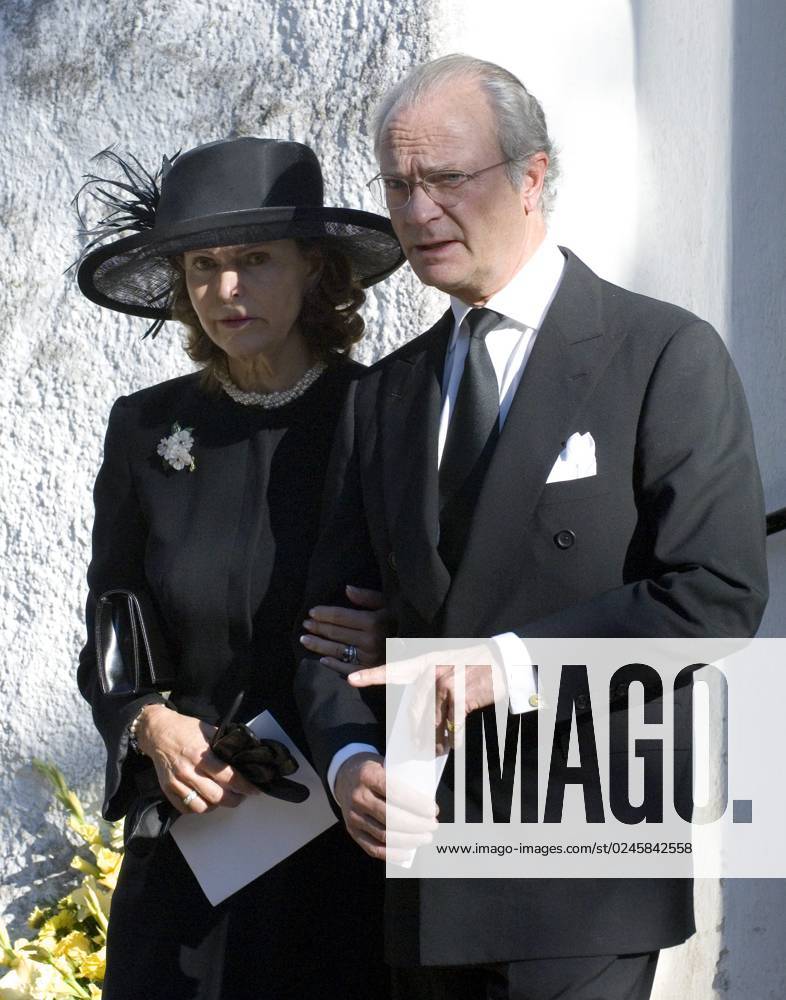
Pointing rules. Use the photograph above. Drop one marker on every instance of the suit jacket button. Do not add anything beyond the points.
(392, 561)
(564, 539)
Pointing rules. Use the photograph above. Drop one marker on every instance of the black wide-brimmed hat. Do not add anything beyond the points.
(223, 193)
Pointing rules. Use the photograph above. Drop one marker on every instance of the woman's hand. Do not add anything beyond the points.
(179, 749)
(331, 632)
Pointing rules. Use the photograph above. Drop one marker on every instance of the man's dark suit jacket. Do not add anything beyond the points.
(667, 540)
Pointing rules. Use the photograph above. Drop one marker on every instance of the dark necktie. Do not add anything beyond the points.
(472, 435)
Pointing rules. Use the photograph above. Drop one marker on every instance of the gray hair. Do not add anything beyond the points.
(520, 120)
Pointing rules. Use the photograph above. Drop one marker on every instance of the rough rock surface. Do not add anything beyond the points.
(149, 78)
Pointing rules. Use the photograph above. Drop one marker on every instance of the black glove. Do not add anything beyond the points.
(265, 763)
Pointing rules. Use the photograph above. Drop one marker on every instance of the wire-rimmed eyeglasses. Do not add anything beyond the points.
(444, 187)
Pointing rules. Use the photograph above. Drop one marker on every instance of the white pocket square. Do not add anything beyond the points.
(576, 460)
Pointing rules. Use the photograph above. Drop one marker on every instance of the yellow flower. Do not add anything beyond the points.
(9, 988)
(116, 835)
(38, 916)
(7, 956)
(66, 903)
(14, 984)
(30, 980)
(63, 964)
(83, 865)
(109, 865)
(107, 860)
(110, 880)
(74, 946)
(91, 900)
(89, 832)
(49, 984)
(45, 942)
(94, 966)
(62, 921)
(67, 958)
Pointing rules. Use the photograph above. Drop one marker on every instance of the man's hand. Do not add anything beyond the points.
(179, 749)
(331, 630)
(484, 683)
(387, 830)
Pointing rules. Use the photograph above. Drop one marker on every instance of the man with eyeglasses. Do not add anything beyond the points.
(555, 457)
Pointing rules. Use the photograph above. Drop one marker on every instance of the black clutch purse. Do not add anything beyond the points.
(131, 652)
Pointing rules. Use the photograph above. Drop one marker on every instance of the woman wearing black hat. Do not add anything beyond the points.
(207, 503)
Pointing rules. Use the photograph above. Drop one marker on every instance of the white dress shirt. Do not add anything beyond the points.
(523, 304)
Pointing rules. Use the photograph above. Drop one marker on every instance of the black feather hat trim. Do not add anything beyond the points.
(130, 202)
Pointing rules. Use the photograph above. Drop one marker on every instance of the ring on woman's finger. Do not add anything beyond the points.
(350, 655)
(450, 726)
(188, 799)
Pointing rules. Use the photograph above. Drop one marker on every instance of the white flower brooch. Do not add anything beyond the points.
(176, 449)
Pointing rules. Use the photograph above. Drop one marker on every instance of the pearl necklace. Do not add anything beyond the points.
(270, 400)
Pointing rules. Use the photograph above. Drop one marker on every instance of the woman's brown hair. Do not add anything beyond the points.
(329, 318)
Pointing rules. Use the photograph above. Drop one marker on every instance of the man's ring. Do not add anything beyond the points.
(188, 799)
(450, 725)
(350, 655)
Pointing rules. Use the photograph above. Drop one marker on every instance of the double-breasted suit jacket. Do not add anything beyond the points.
(667, 539)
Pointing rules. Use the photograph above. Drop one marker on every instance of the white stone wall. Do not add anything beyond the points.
(711, 98)
(151, 77)
(670, 118)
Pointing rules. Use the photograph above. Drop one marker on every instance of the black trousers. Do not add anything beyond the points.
(604, 977)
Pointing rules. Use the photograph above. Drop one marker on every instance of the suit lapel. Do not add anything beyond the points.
(411, 401)
(569, 356)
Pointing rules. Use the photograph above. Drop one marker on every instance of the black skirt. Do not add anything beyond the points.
(309, 929)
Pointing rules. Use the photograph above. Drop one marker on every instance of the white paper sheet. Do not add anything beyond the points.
(228, 848)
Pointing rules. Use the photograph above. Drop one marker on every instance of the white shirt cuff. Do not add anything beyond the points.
(521, 674)
(344, 754)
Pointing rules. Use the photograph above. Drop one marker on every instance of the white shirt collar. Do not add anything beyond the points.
(527, 296)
